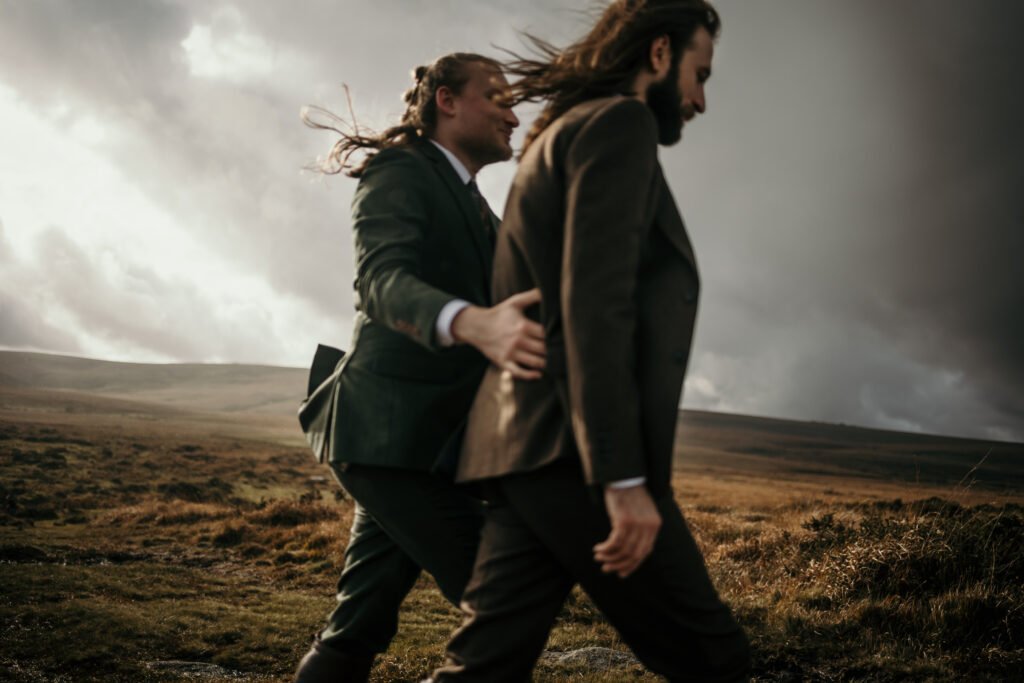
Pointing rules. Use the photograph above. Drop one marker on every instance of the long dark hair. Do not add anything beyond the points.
(418, 121)
(603, 62)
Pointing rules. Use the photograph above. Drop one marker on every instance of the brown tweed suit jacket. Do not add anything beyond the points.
(591, 222)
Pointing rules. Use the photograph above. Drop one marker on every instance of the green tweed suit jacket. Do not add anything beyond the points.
(398, 397)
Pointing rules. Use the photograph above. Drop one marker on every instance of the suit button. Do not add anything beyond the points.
(679, 357)
(691, 296)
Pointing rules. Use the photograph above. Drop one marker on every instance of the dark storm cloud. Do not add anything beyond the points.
(851, 192)
(961, 293)
(853, 196)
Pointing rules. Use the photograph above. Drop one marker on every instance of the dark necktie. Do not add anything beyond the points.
(484, 209)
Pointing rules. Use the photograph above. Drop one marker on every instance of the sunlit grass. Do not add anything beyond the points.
(119, 548)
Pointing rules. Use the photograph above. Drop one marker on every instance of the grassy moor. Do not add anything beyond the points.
(168, 523)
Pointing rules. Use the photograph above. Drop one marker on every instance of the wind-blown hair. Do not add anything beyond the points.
(418, 121)
(605, 61)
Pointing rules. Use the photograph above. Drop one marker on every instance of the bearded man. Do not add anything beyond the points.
(577, 466)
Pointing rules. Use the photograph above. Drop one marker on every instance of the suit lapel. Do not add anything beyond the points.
(494, 227)
(671, 223)
(466, 204)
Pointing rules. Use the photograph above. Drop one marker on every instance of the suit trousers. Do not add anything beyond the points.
(537, 543)
(405, 521)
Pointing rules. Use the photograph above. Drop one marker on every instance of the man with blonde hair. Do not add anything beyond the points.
(424, 333)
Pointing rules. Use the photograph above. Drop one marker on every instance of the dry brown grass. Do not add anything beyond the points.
(127, 539)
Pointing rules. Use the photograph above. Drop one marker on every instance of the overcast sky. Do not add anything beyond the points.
(853, 192)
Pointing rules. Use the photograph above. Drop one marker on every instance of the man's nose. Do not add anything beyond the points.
(512, 119)
(699, 104)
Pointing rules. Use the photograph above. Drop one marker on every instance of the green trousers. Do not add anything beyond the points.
(405, 522)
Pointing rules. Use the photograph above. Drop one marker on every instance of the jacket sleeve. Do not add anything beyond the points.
(391, 215)
(610, 170)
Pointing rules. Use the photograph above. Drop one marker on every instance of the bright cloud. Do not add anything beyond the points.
(225, 50)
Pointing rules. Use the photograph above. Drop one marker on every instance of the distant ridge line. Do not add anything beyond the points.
(86, 359)
(249, 387)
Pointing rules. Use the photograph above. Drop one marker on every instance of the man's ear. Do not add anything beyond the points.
(444, 98)
(660, 57)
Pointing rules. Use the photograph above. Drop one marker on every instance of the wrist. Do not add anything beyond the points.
(465, 324)
(443, 323)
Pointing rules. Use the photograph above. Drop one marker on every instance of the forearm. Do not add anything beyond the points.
(604, 396)
(403, 302)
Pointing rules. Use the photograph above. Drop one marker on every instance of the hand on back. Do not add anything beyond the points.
(505, 335)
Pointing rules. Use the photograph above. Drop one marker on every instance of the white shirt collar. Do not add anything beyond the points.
(460, 169)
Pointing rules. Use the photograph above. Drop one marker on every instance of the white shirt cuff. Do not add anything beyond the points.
(627, 483)
(443, 326)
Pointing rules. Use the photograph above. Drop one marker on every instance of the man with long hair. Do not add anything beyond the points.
(424, 332)
(577, 466)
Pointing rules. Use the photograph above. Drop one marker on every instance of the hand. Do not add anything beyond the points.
(505, 335)
(635, 523)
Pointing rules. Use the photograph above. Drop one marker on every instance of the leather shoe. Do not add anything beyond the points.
(325, 664)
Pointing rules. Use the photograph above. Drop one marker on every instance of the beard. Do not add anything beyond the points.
(487, 151)
(663, 98)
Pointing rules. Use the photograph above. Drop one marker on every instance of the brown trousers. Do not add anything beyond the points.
(538, 538)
